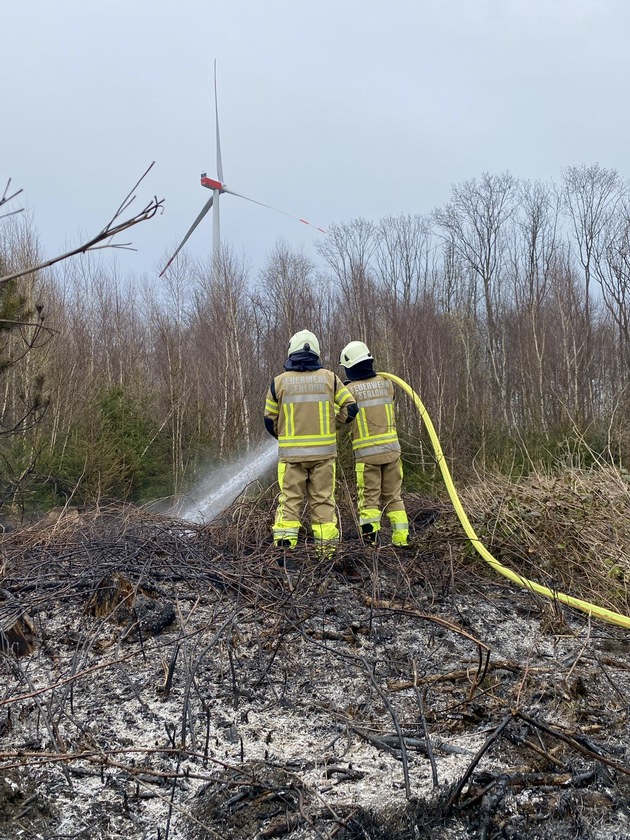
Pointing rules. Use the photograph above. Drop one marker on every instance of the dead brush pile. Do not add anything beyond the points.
(161, 680)
(569, 532)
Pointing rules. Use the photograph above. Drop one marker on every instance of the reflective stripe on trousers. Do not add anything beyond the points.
(382, 484)
(400, 526)
(326, 536)
(368, 497)
(314, 480)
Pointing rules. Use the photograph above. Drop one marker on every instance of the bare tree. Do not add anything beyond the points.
(171, 312)
(6, 198)
(104, 239)
(591, 195)
(534, 255)
(285, 301)
(612, 269)
(569, 315)
(403, 265)
(403, 257)
(225, 349)
(348, 250)
(474, 222)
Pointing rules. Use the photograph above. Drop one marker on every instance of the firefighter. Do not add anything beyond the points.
(302, 407)
(377, 460)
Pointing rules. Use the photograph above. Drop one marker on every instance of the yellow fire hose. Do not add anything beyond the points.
(592, 609)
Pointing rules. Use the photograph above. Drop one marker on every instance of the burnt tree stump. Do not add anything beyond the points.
(17, 631)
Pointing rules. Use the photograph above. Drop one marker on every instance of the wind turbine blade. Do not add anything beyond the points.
(216, 115)
(277, 209)
(205, 209)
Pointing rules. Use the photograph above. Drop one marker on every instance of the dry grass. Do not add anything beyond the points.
(570, 532)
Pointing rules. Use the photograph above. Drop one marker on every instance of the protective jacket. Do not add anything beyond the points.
(374, 436)
(300, 410)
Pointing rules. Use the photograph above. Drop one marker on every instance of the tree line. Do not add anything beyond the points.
(506, 309)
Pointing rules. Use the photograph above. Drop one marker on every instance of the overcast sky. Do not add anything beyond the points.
(330, 110)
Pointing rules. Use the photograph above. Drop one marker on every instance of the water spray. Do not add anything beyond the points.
(217, 492)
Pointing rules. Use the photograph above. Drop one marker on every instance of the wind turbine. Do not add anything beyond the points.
(218, 188)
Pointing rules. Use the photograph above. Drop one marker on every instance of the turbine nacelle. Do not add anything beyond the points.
(211, 184)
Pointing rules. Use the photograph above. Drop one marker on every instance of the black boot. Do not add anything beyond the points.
(370, 536)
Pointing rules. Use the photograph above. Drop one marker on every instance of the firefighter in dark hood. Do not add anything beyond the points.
(377, 461)
(302, 408)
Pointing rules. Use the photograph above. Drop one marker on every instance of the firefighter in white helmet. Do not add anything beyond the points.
(302, 407)
(377, 461)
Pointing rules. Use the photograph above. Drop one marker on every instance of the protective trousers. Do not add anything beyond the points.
(382, 483)
(316, 480)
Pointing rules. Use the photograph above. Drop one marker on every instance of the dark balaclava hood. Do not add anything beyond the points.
(362, 370)
(303, 360)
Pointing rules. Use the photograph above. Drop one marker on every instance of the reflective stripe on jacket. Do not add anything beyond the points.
(301, 405)
(374, 436)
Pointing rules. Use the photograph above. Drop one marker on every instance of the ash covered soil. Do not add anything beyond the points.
(162, 680)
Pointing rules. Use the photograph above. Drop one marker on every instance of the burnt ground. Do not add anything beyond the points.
(162, 680)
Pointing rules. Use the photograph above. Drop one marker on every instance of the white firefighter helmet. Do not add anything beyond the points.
(353, 353)
(304, 340)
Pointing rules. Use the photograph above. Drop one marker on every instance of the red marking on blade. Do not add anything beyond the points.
(310, 224)
(211, 183)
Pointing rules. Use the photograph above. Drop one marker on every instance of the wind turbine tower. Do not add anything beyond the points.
(218, 188)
